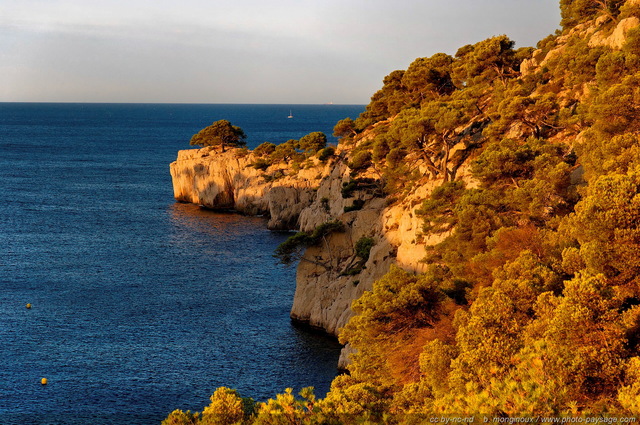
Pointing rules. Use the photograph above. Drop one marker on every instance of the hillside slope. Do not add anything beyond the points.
(505, 184)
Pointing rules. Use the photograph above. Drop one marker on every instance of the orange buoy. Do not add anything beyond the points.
(28, 305)
(43, 381)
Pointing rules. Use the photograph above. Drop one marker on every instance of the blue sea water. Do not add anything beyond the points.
(140, 305)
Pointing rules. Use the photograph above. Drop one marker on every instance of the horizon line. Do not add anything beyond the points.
(178, 103)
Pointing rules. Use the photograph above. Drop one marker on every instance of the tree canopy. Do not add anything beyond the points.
(575, 11)
(313, 142)
(220, 134)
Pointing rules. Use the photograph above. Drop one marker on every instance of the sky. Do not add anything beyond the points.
(239, 51)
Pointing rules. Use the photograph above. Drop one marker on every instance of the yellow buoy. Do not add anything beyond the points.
(43, 381)
(28, 305)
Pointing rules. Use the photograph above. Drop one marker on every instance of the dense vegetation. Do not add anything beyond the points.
(531, 301)
(307, 152)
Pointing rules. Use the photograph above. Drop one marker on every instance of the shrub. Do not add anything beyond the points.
(292, 249)
(284, 151)
(326, 153)
(264, 149)
(357, 184)
(348, 188)
(272, 177)
(357, 205)
(363, 247)
(226, 408)
(261, 164)
(362, 250)
(324, 202)
(313, 142)
(241, 152)
(360, 161)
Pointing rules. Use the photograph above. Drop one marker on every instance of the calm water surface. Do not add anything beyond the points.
(140, 305)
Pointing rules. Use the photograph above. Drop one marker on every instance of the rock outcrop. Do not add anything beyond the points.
(228, 181)
(617, 38)
(330, 276)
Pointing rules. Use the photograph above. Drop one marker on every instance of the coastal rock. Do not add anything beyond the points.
(328, 280)
(228, 181)
(330, 276)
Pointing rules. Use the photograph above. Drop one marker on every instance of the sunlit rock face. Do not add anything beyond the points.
(327, 282)
(617, 38)
(228, 181)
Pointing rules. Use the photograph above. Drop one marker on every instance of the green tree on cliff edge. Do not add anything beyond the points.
(221, 133)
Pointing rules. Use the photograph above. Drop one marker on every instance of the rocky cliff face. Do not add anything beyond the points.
(331, 276)
(227, 181)
(327, 280)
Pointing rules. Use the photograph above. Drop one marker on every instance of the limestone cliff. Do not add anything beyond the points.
(303, 200)
(331, 276)
(227, 181)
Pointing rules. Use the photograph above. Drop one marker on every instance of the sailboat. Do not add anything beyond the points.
(290, 114)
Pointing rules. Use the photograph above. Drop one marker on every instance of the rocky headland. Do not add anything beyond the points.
(504, 183)
(326, 280)
(301, 198)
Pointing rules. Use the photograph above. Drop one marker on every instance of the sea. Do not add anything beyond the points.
(139, 305)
